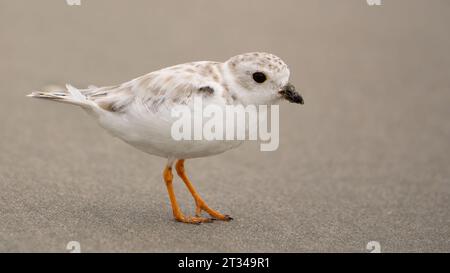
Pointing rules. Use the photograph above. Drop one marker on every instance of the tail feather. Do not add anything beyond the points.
(71, 96)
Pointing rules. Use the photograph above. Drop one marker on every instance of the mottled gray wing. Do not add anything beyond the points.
(169, 86)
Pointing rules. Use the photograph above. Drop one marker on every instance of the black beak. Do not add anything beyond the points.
(288, 92)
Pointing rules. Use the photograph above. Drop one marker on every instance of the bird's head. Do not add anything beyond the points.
(261, 78)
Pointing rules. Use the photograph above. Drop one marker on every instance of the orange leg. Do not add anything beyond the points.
(200, 204)
(168, 178)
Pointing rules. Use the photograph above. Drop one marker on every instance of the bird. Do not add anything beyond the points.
(139, 111)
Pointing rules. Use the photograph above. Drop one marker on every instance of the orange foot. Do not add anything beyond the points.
(200, 204)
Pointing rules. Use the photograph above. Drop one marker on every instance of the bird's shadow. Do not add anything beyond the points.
(134, 216)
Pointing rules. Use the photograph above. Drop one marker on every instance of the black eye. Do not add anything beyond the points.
(259, 77)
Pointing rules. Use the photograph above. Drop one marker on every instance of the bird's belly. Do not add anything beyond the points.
(154, 137)
(184, 149)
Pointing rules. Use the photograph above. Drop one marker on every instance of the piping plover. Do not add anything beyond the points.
(138, 111)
